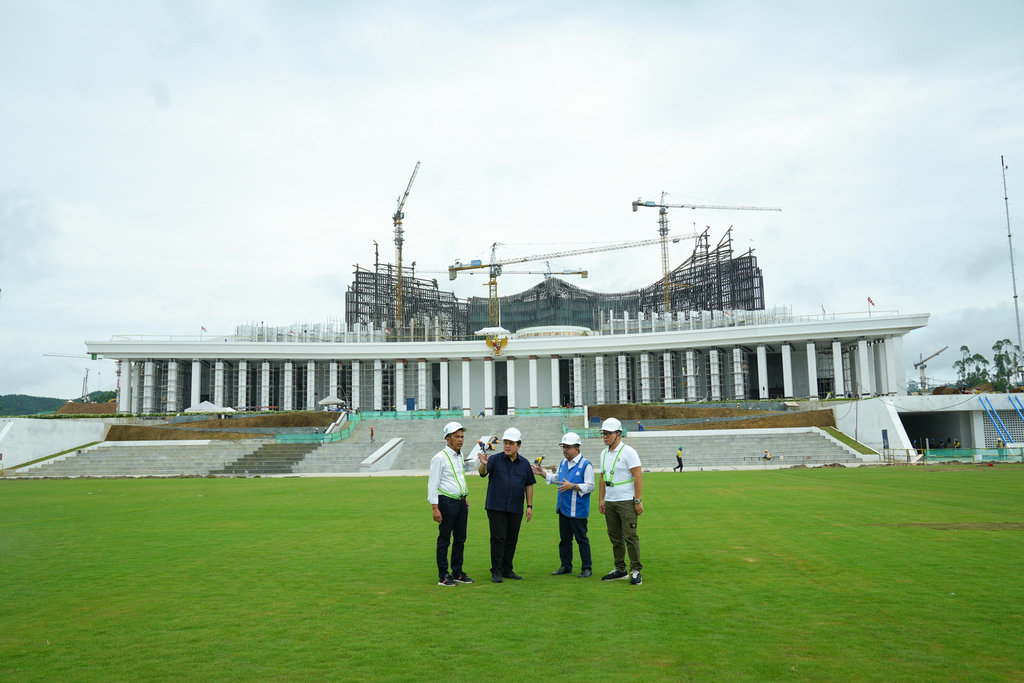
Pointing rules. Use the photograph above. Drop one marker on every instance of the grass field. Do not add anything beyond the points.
(871, 574)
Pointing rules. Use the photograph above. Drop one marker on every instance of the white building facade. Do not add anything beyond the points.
(717, 356)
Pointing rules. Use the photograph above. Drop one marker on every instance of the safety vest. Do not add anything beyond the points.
(571, 503)
(460, 477)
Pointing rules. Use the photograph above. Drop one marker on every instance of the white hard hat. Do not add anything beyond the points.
(512, 434)
(451, 428)
(571, 439)
(611, 425)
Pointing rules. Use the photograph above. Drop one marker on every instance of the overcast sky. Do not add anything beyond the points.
(166, 166)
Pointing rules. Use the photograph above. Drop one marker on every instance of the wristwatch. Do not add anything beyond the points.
(637, 500)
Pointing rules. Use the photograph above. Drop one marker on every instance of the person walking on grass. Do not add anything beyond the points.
(619, 501)
(447, 494)
(510, 480)
(679, 459)
(575, 479)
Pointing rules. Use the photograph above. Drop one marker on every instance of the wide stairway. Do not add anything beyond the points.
(271, 458)
(143, 458)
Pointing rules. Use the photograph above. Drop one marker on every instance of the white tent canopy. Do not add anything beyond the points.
(331, 401)
(207, 407)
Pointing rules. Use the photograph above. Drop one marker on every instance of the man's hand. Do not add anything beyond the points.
(529, 514)
(437, 514)
(600, 507)
(482, 457)
(566, 486)
(539, 471)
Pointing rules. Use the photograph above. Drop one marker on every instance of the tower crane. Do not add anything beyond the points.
(921, 364)
(399, 240)
(494, 268)
(663, 229)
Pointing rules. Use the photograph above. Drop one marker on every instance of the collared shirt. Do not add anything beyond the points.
(615, 467)
(508, 479)
(573, 503)
(447, 476)
(588, 484)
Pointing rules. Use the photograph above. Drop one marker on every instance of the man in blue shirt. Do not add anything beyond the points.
(575, 479)
(510, 480)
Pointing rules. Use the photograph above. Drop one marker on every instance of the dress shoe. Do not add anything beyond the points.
(585, 573)
(512, 575)
(496, 578)
(562, 570)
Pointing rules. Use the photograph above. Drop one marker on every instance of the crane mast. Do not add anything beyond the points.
(399, 241)
(663, 230)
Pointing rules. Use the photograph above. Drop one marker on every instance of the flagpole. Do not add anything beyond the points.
(1013, 272)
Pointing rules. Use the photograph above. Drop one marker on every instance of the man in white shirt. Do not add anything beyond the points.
(619, 501)
(446, 493)
(575, 479)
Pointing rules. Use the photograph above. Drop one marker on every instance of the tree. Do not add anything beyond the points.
(1006, 361)
(971, 370)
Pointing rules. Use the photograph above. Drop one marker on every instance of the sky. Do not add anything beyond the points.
(169, 166)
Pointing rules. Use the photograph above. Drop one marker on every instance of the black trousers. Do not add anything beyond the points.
(569, 528)
(504, 537)
(454, 517)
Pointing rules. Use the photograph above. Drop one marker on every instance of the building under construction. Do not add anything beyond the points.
(711, 279)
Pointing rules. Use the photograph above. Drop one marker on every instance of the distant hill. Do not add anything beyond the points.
(20, 404)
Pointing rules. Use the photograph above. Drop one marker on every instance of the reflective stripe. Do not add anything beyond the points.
(460, 481)
(608, 473)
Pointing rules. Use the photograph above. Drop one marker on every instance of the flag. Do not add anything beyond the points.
(870, 301)
(823, 309)
(203, 329)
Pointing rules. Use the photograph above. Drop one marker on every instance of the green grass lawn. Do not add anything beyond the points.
(829, 574)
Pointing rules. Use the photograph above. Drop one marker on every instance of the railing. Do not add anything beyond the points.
(410, 414)
(343, 433)
(896, 456)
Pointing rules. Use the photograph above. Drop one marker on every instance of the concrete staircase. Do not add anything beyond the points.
(143, 458)
(270, 458)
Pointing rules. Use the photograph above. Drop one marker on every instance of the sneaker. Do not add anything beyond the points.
(635, 578)
(462, 578)
(447, 581)
(496, 578)
(615, 574)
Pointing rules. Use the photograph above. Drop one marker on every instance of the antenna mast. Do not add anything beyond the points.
(1013, 272)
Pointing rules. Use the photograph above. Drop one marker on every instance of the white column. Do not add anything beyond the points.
(243, 379)
(577, 381)
(896, 375)
(837, 368)
(445, 403)
(421, 394)
(136, 387)
(378, 385)
(691, 376)
(787, 371)
(533, 381)
(466, 409)
(264, 385)
(881, 367)
(737, 373)
(400, 384)
(510, 373)
(288, 396)
(623, 383)
(716, 375)
(218, 383)
(124, 386)
(311, 385)
(172, 387)
(599, 379)
(356, 398)
(645, 377)
(148, 370)
(197, 379)
(864, 383)
(762, 371)
(812, 370)
(332, 379)
(488, 386)
(556, 383)
(667, 369)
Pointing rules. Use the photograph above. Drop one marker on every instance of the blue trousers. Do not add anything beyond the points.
(569, 528)
(454, 518)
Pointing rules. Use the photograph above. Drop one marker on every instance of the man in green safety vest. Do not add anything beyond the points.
(447, 495)
(619, 501)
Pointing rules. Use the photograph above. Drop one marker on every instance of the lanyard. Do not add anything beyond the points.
(609, 472)
(460, 482)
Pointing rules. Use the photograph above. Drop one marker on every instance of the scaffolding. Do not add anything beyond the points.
(711, 279)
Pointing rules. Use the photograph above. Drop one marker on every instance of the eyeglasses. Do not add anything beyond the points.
(569, 445)
(608, 433)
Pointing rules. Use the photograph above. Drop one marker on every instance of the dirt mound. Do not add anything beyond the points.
(296, 419)
(141, 433)
(755, 419)
(72, 408)
(661, 412)
(809, 418)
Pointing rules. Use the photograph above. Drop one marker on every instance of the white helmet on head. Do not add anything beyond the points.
(571, 439)
(451, 428)
(611, 425)
(512, 434)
